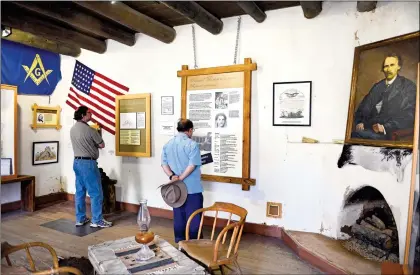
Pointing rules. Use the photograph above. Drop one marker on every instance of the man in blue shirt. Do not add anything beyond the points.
(181, 160)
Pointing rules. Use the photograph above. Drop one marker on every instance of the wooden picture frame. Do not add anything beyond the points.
(292, 103)
(9, 124)
(133, 125)
(375, 117)
(216, 80)
(45, 152)
(45, 117)
(413, 205)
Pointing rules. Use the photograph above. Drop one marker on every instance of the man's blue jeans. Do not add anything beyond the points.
(88, 179)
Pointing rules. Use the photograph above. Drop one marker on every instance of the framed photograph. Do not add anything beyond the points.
(383, 93)
(167, 105)
(292, 103)
(45, 117)
(6, 166)
(45, 152)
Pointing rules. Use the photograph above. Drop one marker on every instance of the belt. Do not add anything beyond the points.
(84, 158)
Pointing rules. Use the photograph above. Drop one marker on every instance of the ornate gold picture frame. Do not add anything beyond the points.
(45, 117)
(383, 93)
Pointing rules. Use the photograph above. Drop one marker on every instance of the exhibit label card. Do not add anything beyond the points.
(167, 128)
(129, 137)
(141, 120)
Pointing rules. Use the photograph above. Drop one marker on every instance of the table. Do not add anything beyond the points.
(27, 184)
(103, 258)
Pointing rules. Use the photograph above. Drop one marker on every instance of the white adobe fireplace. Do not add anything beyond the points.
(368, 226)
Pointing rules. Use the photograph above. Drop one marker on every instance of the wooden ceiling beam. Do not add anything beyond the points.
(79, 20)
(365, 6)
(253, 10)
(15, 17)
(197, 14)
(126, 16)
(311, 9)
(42, 43)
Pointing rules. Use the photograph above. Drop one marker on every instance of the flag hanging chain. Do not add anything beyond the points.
(235, 55)
(194, 47)
(237, 40)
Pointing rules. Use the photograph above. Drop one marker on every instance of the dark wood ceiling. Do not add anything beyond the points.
(65, 27)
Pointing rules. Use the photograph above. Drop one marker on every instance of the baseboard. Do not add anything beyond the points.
(40, 202)
(260, 229)
(11, 206)
(49, 199)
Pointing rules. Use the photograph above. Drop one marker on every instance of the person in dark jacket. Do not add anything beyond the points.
(389, 106)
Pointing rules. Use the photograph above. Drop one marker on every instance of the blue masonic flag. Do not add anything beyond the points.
(32, 70)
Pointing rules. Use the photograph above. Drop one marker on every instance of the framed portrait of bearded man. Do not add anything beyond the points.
(383, 93)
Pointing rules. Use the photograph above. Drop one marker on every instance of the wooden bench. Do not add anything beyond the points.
(27, 187)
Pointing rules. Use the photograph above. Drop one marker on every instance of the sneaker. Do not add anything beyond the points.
(102, 224)
(83, 222)
(108, 222)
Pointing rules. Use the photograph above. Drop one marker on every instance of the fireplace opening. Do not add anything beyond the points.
(368, 227)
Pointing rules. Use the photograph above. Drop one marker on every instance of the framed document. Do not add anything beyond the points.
(292, 103)
(9, 132)
(6, 167)
(132, 125)
(45, 117)
(167, 105)
(218, 102)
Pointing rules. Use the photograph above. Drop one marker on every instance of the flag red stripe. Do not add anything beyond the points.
(108, 113)
(100, 100)
(122, 87)
(71, 105)
(93, 120)
(95, 112)
(75, 99)
(104, 127)
(102, 93)
(106, 87)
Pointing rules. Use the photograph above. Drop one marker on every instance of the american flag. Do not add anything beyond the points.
(97, 92)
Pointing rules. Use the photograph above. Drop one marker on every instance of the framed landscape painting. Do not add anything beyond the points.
(45, 152)
(383, 93)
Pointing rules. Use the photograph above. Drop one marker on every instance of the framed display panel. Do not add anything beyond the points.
(218, 102)
(132, 125)
(45, 117)
(9, 131)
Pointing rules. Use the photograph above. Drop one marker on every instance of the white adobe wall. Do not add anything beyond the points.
(286, 47)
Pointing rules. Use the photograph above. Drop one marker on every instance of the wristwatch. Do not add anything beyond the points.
(170, 177)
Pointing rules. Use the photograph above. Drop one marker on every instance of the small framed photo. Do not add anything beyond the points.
(45, 152)
(167, 105)
(6, 166)
(292, 103)
(45, 117)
